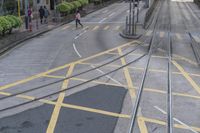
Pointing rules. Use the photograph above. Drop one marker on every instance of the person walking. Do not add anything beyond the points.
(46, 14)
(30, 15)
(78, 19)
(41, 12)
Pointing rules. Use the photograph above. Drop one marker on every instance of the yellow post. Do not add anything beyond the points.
(19, 8)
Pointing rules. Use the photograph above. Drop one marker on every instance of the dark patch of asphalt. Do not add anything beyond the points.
(103, 97)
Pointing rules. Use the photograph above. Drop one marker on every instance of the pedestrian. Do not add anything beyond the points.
(78, 19)
(41, 12)
(30, 15)
(46, 14)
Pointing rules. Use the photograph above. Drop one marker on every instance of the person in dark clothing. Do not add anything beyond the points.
(46, 14)
(30, 15)
(78, 19)
(41, 12)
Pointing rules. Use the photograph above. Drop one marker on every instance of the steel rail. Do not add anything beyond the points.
(169, 82)
(57, 92)
(195, 48)
(140, 91)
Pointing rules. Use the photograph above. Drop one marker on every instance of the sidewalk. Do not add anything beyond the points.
(19, 35)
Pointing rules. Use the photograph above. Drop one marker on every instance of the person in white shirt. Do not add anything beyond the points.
(78, 19)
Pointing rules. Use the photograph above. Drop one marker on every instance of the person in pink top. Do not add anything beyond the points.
(78, 19)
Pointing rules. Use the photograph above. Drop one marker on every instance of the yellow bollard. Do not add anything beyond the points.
(19, 8)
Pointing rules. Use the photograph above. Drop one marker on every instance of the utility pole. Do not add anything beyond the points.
(26, 14)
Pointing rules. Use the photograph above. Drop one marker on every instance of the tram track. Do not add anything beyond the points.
(169, 85)
(195, 46)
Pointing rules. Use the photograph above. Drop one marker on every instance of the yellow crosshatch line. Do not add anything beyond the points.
(62, 67)
(125, 86)
(127, 76)
(155, 121)
(103, 112)
(187, 76)
(71, 106)
(92, 110)
(136, 87)
(176, 57)
(56, 111)
(142, 127)
(139, 68)
(137, 54)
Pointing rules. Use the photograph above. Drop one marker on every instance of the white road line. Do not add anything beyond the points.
(76, 50)
(102, 20)
(107, 76)
(74, 46)
(177, 120)
(84, 31)
(162, 111)
(116, 22)
(111, 14)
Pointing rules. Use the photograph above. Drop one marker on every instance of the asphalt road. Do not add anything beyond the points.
(103, 105)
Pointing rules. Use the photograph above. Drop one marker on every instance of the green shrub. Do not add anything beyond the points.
(63, 8)
(11, 20)
(15, 21)
(83, 2)
(5, 24)
(1, 29)
(18, 21)
(67, 7)
(72, 7)
(76, 4)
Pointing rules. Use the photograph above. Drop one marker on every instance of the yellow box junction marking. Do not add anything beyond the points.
(59, 102)
(135, 87)
(92, 110)
(103, 112)
(143, 127)
(186, 75)
(127, 76)
(61, 67)
(53, 76)
(140, 68)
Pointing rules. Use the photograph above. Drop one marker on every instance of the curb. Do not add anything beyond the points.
(123, 35)
(15, 44)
